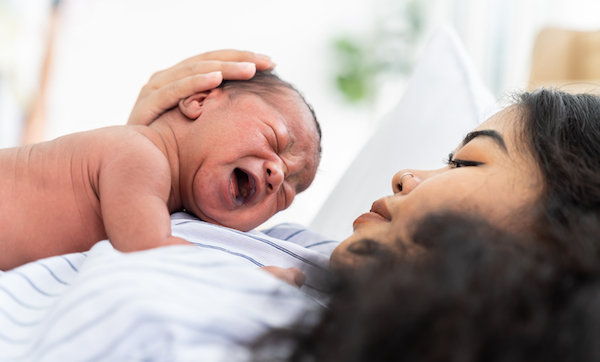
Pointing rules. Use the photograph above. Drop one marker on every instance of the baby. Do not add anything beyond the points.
(233, 156)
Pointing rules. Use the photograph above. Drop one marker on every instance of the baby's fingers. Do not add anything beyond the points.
(293, 276)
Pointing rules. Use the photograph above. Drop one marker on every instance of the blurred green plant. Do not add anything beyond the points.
(356, 73)
(390, 49)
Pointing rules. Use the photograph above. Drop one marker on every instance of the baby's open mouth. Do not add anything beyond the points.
(242, 186)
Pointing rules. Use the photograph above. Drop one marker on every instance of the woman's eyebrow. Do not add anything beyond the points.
(486, 133)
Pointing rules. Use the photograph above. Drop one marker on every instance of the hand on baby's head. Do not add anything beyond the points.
(245, 150)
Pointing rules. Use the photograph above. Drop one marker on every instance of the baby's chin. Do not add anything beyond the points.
(245, 221)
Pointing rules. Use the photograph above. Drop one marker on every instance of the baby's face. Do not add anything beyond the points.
(244, 160)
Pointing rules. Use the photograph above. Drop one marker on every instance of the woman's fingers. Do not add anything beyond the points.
(262, 61)
(196, 74)
(229, 70)
(234, 64)
(293, 276)
(151, 104)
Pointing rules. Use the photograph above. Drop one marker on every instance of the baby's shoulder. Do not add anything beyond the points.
(125, 138)
(130, 143)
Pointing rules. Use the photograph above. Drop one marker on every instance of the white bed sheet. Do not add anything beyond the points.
(178, 303)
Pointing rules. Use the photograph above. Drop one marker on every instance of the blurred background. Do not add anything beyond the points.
(73, 65)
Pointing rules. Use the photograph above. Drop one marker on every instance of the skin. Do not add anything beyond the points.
(123, 182)
(493, 179)
(292, 276)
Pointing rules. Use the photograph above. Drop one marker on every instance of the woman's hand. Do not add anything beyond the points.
(196, 74)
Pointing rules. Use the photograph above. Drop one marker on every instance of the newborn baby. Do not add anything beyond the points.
(233, 156)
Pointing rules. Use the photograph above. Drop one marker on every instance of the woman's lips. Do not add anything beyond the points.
(368, 217)
(379, 213)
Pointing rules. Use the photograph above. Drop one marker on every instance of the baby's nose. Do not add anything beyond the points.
(275, 176)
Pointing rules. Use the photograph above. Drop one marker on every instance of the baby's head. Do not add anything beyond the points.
(245, 150)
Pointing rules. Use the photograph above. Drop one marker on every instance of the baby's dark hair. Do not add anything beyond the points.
(266, 85)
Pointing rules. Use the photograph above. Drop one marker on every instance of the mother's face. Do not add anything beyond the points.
(488, 175)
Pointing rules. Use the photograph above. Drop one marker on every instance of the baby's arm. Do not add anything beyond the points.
(134, 188)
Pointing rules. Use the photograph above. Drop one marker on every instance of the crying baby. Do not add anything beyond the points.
(232, 156)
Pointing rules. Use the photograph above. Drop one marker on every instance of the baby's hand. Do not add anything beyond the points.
(196, 74)
(293, 276)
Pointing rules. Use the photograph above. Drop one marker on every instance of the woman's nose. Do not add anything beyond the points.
(404, 181)
(275, 176)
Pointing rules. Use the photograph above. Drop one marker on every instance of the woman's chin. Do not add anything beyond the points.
(339, 260)
(346, 263)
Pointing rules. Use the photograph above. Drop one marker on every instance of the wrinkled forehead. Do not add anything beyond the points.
(298, 116)
(287, 112)
(304, 132)
(295, 115)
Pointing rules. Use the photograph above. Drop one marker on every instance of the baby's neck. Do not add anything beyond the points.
(164, 138)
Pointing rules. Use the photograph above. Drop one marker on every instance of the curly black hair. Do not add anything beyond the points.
(478, 294)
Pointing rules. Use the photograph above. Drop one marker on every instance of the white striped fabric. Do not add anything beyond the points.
(178, 303)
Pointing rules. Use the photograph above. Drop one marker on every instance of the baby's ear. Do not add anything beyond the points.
(193, 105)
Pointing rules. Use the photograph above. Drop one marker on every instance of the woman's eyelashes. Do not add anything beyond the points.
(455, 162)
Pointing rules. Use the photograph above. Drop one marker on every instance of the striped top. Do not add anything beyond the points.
(176, 303)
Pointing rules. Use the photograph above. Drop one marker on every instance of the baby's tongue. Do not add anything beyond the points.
(243, 183)
(244, 192)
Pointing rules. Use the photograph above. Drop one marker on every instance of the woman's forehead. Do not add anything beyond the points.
(505, 123)
(509, 125)
(501, 120)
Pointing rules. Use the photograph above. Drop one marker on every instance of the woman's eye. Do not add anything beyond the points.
(455, 162)
(463, 163)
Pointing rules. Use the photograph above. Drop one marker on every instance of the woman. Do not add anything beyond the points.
(479, 295)
(532, 166)
(511, 269)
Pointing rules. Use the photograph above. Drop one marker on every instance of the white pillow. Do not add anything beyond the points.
(444, 100)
